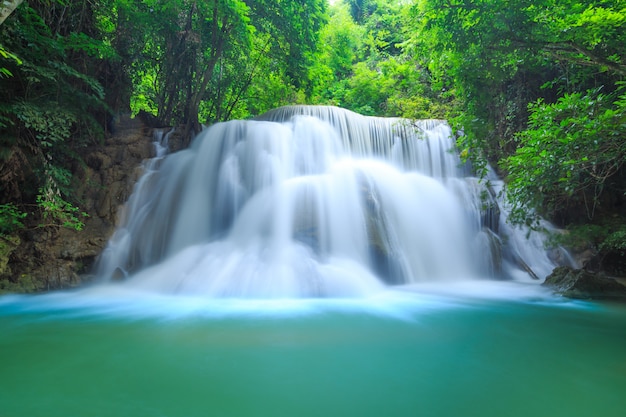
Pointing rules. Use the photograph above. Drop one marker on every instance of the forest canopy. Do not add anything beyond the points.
(534, 88)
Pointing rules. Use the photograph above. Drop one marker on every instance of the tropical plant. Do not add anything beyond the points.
(568, 156)
(52, 101)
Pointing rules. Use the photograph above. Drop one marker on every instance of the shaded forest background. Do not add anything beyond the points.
(533, 88)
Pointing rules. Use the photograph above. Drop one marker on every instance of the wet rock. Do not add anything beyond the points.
(582, 284)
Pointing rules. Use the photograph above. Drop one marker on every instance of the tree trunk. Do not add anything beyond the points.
(7, 7)
(219, 35)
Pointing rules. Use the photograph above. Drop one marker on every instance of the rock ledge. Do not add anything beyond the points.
(582, 284)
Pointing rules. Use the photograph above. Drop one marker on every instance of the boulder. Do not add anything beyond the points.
(582, 284)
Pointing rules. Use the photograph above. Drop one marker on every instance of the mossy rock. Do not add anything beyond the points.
(24, 284)
(582, 284)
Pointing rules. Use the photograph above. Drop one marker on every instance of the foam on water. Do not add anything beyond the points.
(115, 302)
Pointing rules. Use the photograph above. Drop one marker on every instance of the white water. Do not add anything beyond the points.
(315, 201)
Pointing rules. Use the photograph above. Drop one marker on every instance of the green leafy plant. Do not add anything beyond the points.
(59, 213)
(7, 55)
(10, 218)
(56, 211)
(52, 126)
(566, 156)
(615, 241)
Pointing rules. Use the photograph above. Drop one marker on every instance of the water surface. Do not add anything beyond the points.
(497, 349)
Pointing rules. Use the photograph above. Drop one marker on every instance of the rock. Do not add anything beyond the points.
(149, 119)
(582, 284)
(98, 161)
(8, 244)
(50, 258)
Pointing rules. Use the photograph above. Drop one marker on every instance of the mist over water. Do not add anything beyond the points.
(310, 201)
(484, 349)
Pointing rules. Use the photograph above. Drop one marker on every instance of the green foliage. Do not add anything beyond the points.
(361, 10)
(57, 212)
(563, 153)
(24, 284)
(341, 47)
(568, 153)
(367, 64)
(495, 58)
(615, 241)
(343, 39)
(10, 219)
(51, 126)
(52, 104)
(6, 55)
(47, 91)
(253, 86)
(583, 236)
(189, 59)
(604, 238)
(583, 33)
(143, 97)
(79, 41)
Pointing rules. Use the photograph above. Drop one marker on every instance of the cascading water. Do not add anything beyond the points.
(311, 201)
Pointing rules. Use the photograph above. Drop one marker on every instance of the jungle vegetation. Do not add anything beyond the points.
(534, 88)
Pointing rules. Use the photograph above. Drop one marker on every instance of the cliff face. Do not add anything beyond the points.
(50, 258)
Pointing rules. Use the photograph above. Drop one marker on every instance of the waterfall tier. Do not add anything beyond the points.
(311, 201)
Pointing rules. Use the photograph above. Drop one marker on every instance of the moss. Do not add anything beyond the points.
(27, 283)
(24, 284)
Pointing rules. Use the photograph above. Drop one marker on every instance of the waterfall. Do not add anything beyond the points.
(314, 201)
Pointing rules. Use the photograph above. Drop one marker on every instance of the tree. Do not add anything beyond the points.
(361, 10)
(366, 63)
(52, 103)
(568, 156)
(499, 56)
(581, 32)
(340, 46)
(190, 58)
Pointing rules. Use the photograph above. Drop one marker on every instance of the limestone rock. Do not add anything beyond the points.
(582, 284)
